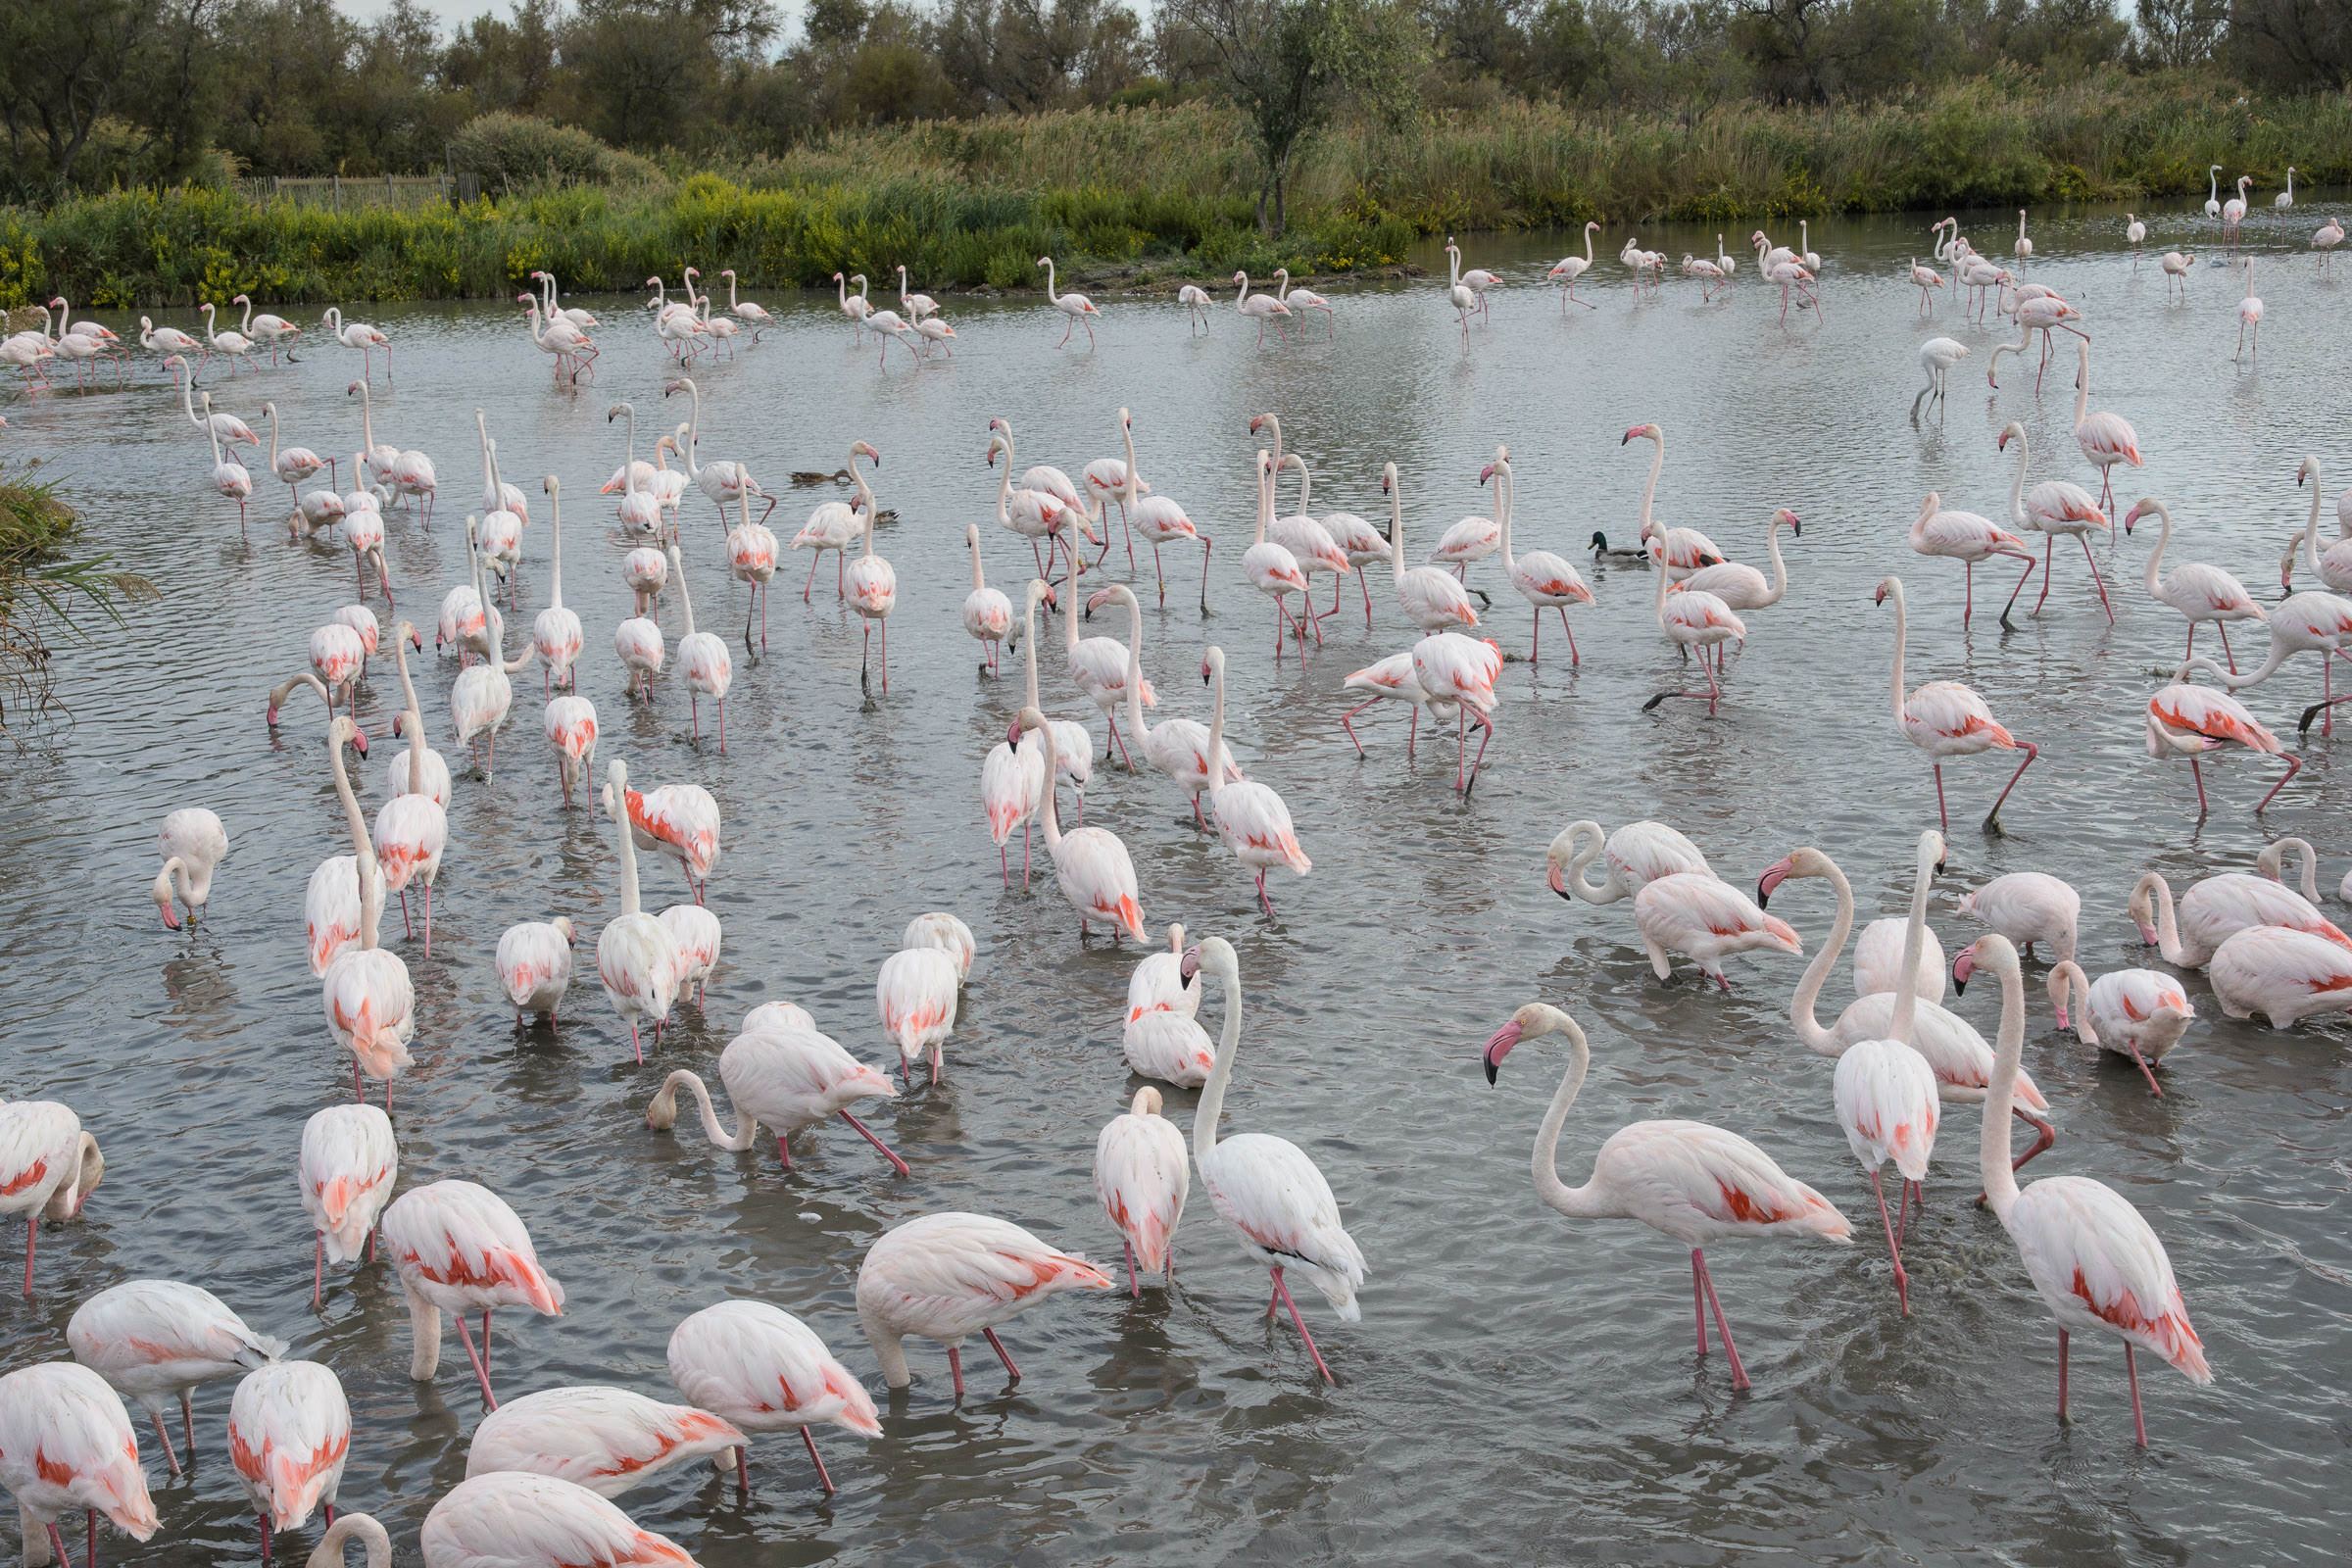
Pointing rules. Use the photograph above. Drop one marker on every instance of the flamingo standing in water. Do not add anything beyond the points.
(155, 1339)
(2098, 1264)
(1945, 719)
(1966, 537)
(987, 612)
(607, 1440)
(2054, 507)
(636, 959)
(412, 828)
(1140, 1176)
(459, 1247)
(193, 844)
(1693, 619)
(1636, 854)
(48, 1167)
(784, 1077)
(941, 1276)
(1180, 747)
(1434, 601)
(1195, 301)
(2138, 1014)
(1077, 306)
(534, 965)
(702, 657)
(513, 1518)
(834, 524)
(2284, 975)
(65, 1442)
(1566, 271)
(2190, 722)
(1260, 308)
(360, 335)
(1685, 1179)
(1251, 817)
(762, 1369)
(874, 592)
(1090, 863)
(915, 996)
(289, 1435)
(2200, 592)
(1271, 568)
(752, 559)
(229, 476)
(371, 1006)
(1267, 1189)
(349, 1163)
(2106, 439)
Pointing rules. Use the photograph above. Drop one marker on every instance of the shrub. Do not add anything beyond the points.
(518, 151)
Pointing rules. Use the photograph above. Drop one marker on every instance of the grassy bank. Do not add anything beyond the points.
(1168, 193)
(40, 588)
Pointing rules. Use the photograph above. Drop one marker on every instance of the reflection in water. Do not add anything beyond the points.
(1521, 1385)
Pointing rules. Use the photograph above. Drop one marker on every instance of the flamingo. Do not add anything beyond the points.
(555, 632)
(275, 331)
(916, 997)
(502, 525)
(1936, 357)
(1687, 549)
(349, 1163)
(555, 309)
(289, 1435)
(1968, 538)
(369, 1004)
(1392, 679)
(1077, 306)
(1014, 777)
(1434, 601)
(941, 1276)
(458, 1247)
(193, 844)
(759, 1367)
(2200, 592)
(721, 481)
(295, 464)
(2023, 250)
(1158, 983)
(1477, 278)
(155, 1339)
(1267, 1189)
(231, 345)
(2055, 507)
(1924, 278)
(702, 657)
(834, 524)
(751, 558)
(751, 314)
(2185, 721)
(2233, 211)
(377, 462)
(1309, 543)
(1635, 856)
(1090, 863)
(2284, 975)
(1693, 619)
(639, 509)
(229, 476)
(718, 330)
(1167, 1042)
(874, 592)
(1033, 514)
(785, 1077)
(1251, 817)
(1945, 719)
(168, 340)
(1805, 245)
(534, 965)
(65, 1442)
(987, 612)
(2106, 439)
(2217, 908)
(2176, 266)
(1471, 539)
(2249, 313)
(2325, 238)
(1461, 296)
(1459, 672)
(2213, 191)
(2309, 621)
(1261, 308)
(2285, 199)
(2137, 1014)
(607, 1440)
(1686, 1179)
(355, 335)
(1180, 747)
(48, 1169)
(2136, 236)
(696, 933)
(2028, 906)
(1305, 299)
(2043, 312)
(1195, 301)
(852, 307)
(1568, 268)
(636, 959)
(2096, 1262)
(514, 1518)
(482, 694)
(1140, 1177)
(948, 934)
(412, 828)
(681, 820)
(1741, 586)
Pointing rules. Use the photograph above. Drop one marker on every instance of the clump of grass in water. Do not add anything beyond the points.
(39, 586)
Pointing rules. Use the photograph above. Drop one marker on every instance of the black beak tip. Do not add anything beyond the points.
(1763, 896)
(1490, 1070)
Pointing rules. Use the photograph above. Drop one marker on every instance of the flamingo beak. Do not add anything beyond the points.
(1190, 964)
(1555, 877)
(1962, 967)
(1499, 1045)
(1778, 872)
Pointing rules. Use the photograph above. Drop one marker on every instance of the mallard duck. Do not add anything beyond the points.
(1603, 551)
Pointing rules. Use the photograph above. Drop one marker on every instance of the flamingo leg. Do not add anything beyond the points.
(825, 1480)
(1699, 1302)
(2141, 1063)
(1968, 605)
(1722, 1327)
(783, 1151)
(1134, 1289)
(2062, 1347)
(2224, 629)
(481, 1369)
(1570, 632)
(57, 1543)
(2098, 581)
(1284, 1291)
(997, 1346)
(1344, 724)
(1992, 819)
(2047, 541)
(1895, 1250)
(955, 1369)
(1942, 815)
(2139, 1423)
(636, 1043)
(1264, 902)
(2294, 766)
(164, 1433)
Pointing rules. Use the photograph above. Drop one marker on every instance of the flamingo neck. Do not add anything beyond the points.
(1004, 486)
(865, 492)
(1588, 228)
(1903, 629)
(1396, 529)
(1809, 1032)
(686, 600)
(1029, 644)
(971, 537)
(2315, 495)
(1657, 462)
(2067, 976)
(1132, 485)
(1780, 568)
(1051, 817)
(373, 1536)
(362, 851)
(1577, 1202)
(1993, 1151)
(629, 900)
(1506, 493)
(1915, 940)
(1212, 1094)
(1135, 671)
(2168, 925)
(1216, 722)
(2164, 537)
(1585, 852)
(663, 1113)
(1069, 602)
(2017, 486)
(2311, 529)
(555, 566)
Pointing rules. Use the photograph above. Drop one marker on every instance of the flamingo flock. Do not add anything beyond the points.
(544, 1465)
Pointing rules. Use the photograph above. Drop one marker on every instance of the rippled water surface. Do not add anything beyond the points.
(1521, 1387)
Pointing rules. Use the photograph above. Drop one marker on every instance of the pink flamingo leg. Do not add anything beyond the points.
(2098, 581)
(866, 1134)
(2062, 1344)
(1992, 819)
(1738, 1372)
(1942, 815)
(2141, 1063)
(1284, 1291)
(480, 1370)
(636, 1043)
(164, 1433)
(1699, 1302)
(814, 1459)
(2139, 1423)
(743, 1472)
(57, 1543)
(997, 1346)
(1895, 1251)
(2294, 766)
(1344, 724)
(783, 1151)
(955, 1369)
(317, 1267)
(1573, 657)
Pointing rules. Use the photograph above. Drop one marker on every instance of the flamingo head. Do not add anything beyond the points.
(1649, 433)
(398, 727)
(1796, 525)
(352, 390)
(2309, 470)
(2012, 430)
(1256, 421)
(1488, 472)
(859, 448)
(2132, 516)
(1964, 967)
(562, 925)
(1101, 596)
(1188, 965)
(1778, 872)
(1536, 1018)
(1880, 597)
(415, 638)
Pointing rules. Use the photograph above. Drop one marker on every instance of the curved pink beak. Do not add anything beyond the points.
(1499, 1045)
(1963, 966)
(1775, 874)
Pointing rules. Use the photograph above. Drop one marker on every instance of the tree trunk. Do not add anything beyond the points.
(1262, 211)
(1280, 206)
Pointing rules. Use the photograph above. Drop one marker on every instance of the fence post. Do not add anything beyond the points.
(338, 195)
(391, 197)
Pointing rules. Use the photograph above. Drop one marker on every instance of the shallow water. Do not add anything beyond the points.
(1520, 1384)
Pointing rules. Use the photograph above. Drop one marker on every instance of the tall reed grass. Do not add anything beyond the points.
(1165, 192)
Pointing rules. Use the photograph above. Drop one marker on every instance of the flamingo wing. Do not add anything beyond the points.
(2097, 1263)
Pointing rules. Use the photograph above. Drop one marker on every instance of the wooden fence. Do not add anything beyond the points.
(343, 193)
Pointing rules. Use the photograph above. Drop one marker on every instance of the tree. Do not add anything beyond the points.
(1287, 64)
(2294, 43)
(65, 65)
(2180, 32)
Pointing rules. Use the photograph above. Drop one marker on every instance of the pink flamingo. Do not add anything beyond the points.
(2106, 439)
(2054, 507)
(65, 1443)
(152, 1338)
(1251, 817)
(513, 1518)
(1686, 1179)
(1968, 538)
(2284, 975)
(1460, 671)
(2137, 1014)
(289, 1435)
(1140, 1176)
(607, 1440)
(636, 957)
(941, 1276)
(458, 1247)
(350, 1161)
(785, 1078)
(1090, 863)
(2200, 592)
(1945, 719)
(764, 1370)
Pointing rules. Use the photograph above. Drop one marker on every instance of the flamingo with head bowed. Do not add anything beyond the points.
(65, 1442)
(916, 997)
(2190, 722)
(2326, 239)
(459, 1247)
(1077, 306)
(1251, 817)
(2135, 1014)
(518, 1520)
(1635, 856)
(349, 1163)
(605, 1438)
(1686, 1179)
(2098, 1264)
(193, 844)
(1090, 863)
(1266, 1189)
(2201, 593)
(1197, 303)
(1459, 672)
(1945, 719)
(229, 476)
(1392, 679)
(681, 821)
(289, 1435)
(155, 1339)
(785, 1076)
(1696, 914)
(534, 965)
(1140, 1176)
(1955, 1051)
(2285, 975)
(941, 1276)
(2028, 906)
(636, 957)
(2217, 908)
(371, 1006)
(764, 1370)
